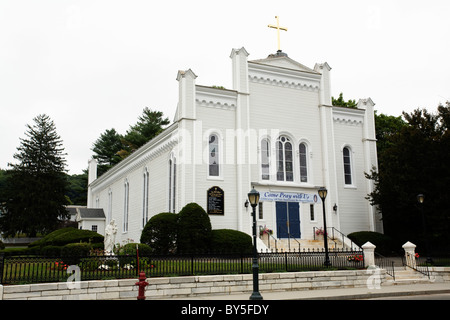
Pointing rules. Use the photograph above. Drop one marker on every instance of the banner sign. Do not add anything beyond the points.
(289, 197)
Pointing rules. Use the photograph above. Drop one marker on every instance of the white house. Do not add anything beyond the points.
(276, 131)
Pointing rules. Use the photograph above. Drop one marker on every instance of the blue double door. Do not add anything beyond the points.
(288, 219)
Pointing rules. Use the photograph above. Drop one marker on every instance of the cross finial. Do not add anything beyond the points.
(278, 30)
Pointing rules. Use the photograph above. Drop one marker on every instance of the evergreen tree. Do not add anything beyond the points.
(36, 185)
(106, 150)
(150, 124)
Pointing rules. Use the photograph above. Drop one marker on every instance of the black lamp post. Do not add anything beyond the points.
(323, 194)
(421, 199)
(253, 197)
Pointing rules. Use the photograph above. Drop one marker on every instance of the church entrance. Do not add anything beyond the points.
(288, 219)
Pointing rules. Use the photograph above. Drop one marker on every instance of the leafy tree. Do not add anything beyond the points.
(77, 189)
(416, 159)
(36, 185)
(340, 102)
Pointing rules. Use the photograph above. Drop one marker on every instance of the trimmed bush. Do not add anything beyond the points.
(160, 232)
(384, 244)
(194, 229)
(68, 235)
(233, 241)
(72, 252)
(51, 251)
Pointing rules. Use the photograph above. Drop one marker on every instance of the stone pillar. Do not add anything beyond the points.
(410, 254)
(369, 254)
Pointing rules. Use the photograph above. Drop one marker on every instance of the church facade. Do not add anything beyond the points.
(275, 130)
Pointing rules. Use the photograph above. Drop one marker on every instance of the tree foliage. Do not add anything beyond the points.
(415, 159)
(35, 198)
(111, 147)
(340, 102)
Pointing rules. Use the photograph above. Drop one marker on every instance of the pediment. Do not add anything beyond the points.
(283, 61)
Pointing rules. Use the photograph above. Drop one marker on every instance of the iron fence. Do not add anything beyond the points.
(38, 269)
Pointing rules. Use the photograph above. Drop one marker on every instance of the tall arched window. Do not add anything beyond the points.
(265, 159)
(110, 204)
(303, 150)
(213, 155)
(145, 199)
(126, 205)
(172, 183)
(347, 166)
(284, 159)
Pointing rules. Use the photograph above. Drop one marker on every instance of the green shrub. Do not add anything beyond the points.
(51, 251)
(384, 244)
(160, 232)
(194, 229)
(72, 253)
(227, 240)
(64, 236)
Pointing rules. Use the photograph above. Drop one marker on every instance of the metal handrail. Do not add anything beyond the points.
(386, 264)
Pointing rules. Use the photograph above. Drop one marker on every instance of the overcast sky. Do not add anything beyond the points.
(94, 65)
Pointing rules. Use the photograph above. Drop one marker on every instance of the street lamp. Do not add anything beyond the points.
(421, 199)
(323, 194)
(253, 198)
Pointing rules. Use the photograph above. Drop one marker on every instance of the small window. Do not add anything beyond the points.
(260, 210)
(213, 156)
(94, 228)
(311, 212)
(347, 166)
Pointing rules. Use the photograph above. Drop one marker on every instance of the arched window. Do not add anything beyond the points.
(303, 150)
(145, 199)
(172, 183)
(214, 155)
(126, 205)
(265, 159)
(347, 166)
(284, 159)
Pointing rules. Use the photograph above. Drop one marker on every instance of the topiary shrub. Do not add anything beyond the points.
(51, 251)
(160, 232)
(194, 229)
(73, 252)
(233, 241)
(64, 236)
(384, 244)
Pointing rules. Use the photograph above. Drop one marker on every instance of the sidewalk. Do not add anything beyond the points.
(336, 294)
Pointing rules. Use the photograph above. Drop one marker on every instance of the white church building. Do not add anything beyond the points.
(276, 130)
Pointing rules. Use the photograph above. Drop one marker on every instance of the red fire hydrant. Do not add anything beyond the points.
(142, 284)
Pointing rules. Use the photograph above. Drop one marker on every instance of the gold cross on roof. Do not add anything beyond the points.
(278, 31)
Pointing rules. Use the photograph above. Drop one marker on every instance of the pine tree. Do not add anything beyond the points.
(37, 184)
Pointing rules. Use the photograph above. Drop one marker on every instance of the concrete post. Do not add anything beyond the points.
(369, 254)
(410, 254)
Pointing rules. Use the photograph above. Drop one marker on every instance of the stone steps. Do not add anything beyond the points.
(405, 275)
(303, 244)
